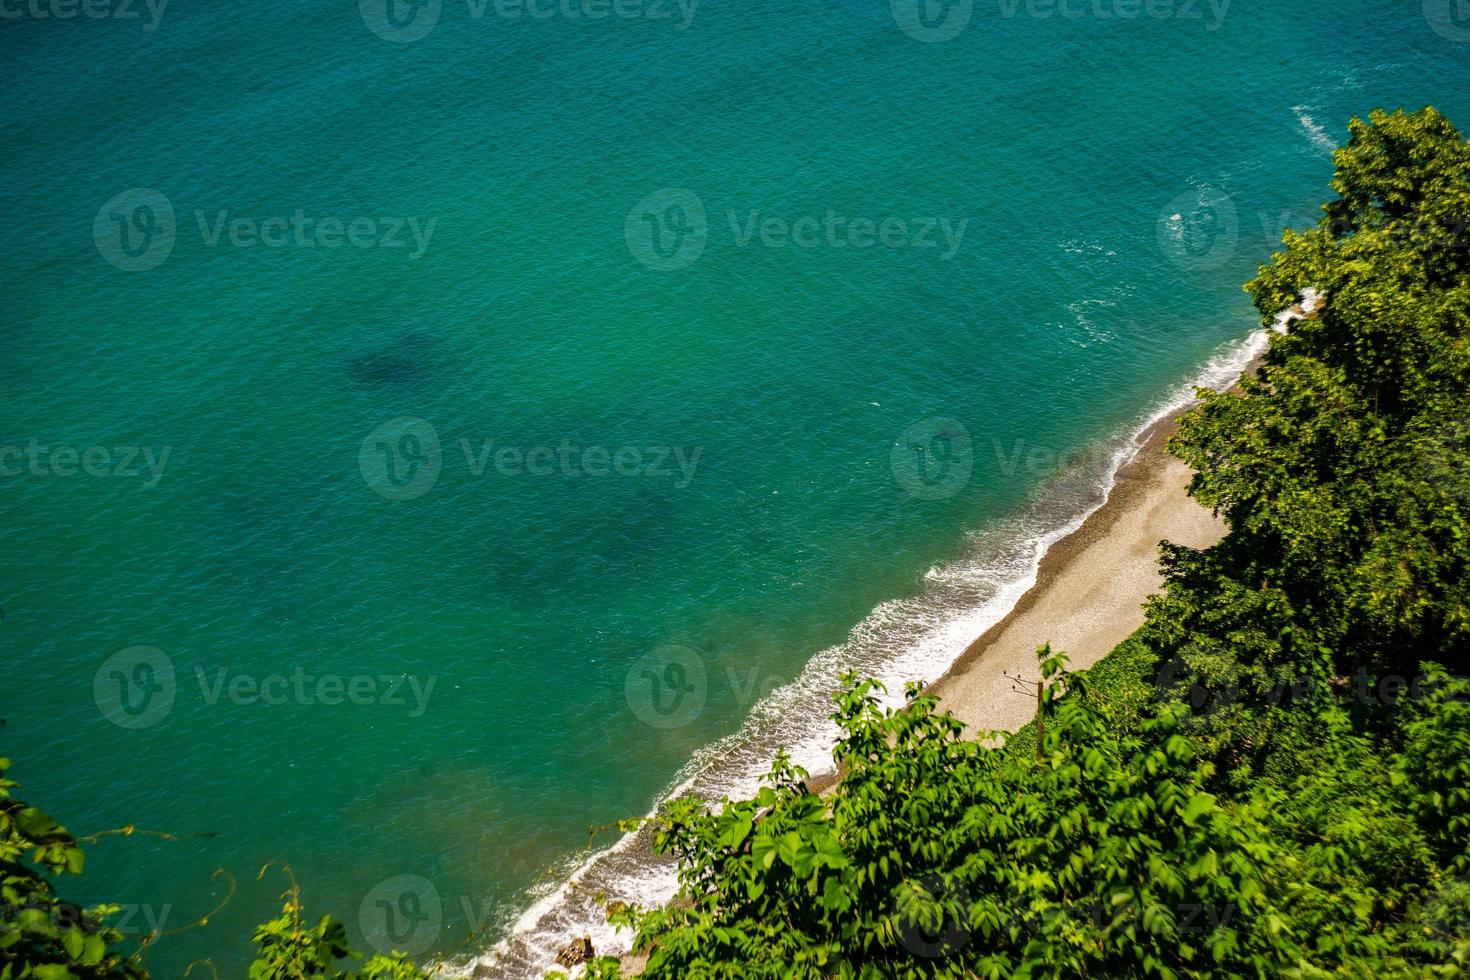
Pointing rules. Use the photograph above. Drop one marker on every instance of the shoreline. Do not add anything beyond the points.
(1091, 585)
(1089, 591)
(1085, 598)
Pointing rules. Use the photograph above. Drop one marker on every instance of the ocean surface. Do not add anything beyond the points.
(433, 432)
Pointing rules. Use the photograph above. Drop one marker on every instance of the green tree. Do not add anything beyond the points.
(1263, 802)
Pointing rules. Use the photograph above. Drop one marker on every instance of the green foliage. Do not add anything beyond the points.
(1269, 779)
(937, 858)
(1341, 466)
(289, 949)
(1390, 346)
(41, 935)
(44, 937)
(1237, 791)
(1435, 766)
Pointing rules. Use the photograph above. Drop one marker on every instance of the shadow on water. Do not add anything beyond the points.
(407, 360)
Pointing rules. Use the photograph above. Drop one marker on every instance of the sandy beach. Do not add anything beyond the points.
(1088, 597)
(1089, 589)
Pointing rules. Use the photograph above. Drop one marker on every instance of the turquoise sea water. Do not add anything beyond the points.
(418, 677)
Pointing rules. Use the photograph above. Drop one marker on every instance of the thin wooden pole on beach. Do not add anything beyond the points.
(1040, 701)
(1040, 721)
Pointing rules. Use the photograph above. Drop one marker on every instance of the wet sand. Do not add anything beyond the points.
(1088, 597)
(1089, 591)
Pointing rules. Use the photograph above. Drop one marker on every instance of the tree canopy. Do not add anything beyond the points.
(1271, 778)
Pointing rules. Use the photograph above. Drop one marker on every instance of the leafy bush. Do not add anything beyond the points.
(1237, 791)
(289, 949)
(42, 936)
(1270, 779)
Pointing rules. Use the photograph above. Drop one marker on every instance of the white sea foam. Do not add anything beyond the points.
(1318, 135)
(1310, 301)
(915, 638)
(1083, 323)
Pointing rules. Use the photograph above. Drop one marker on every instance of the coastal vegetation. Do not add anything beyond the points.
(1272, 778)
(45, 937)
